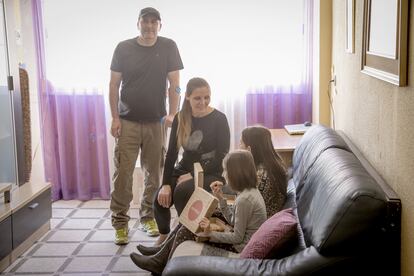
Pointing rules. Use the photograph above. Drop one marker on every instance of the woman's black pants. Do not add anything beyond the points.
(180, 195)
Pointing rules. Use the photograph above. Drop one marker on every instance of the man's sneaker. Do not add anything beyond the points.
(121, 236)
(150, 227)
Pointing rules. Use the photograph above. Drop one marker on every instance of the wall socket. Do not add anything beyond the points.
(333, 75)
(333, 80)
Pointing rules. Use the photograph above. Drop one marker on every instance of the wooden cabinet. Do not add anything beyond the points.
(24, 220)
(6, 237)
(31, 217)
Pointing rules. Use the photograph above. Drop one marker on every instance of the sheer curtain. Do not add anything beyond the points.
(287, 100)
(257, 57)
(73, 124)
(253, 54)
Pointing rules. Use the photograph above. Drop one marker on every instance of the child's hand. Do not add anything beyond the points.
(205, 225)
(217, 189)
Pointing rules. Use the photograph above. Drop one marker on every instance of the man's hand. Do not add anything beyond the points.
(217, 189)
(164, 196)
(168, 120)
(184, 178)
(116, 128)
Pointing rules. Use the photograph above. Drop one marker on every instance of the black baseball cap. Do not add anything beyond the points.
(150, 10)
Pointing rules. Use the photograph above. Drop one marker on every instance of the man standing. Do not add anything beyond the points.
(141, 67)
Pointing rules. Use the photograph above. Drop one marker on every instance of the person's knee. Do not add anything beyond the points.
(182, 194)
(158, 208)
(155, 203)
(184, 189)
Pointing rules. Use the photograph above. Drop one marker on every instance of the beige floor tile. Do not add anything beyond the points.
(85, 223)
(43, 274)
(108, 225)
(102, 204)
(67, 243)
(133, 213)
(125, 264)
(41, 265)
(68, 235)
(140, 273)
(135, 205)
(56, 249)
(89, 213)
(60, 213)
(82, 274)
(99, 249)
(141, 236)
(103, 235)
(54, 222)
(66, 204)
(88, 264)
(132, 247)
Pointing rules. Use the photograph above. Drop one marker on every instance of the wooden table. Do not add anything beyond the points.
(285, 143)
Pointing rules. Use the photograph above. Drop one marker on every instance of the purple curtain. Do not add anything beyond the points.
(73, 134)
(276, 106)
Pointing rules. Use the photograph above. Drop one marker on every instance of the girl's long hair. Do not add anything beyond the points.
(239, 170)
(260, 141)
(184, 116)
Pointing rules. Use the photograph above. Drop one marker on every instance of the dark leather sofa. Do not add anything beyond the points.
(349, 218)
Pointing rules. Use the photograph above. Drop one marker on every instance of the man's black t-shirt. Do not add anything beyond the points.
(144, 77)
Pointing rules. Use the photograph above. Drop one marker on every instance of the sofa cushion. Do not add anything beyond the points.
(192, 248)
(316, 140)
(272, 236)
(340, 205)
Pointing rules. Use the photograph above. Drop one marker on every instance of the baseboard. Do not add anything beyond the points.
(4, 263)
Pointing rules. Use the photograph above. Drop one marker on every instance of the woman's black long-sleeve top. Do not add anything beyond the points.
(208, 143)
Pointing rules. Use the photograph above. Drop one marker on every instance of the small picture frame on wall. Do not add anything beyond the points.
(350, 26)
(384, 43)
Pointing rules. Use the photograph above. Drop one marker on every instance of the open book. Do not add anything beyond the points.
(201, 203)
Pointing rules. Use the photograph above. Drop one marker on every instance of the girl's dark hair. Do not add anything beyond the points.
(240, 169)
(259, 139)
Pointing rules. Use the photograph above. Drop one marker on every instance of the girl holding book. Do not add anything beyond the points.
(246, 216)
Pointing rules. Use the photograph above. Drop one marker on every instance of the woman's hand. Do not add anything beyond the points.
(205, 225)
(217, 189)
(183, 178)
(164, 196)
(168, 120)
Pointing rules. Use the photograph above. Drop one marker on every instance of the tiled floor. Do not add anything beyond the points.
(80, 242)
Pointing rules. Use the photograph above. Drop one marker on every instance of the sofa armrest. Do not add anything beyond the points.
(305, 262)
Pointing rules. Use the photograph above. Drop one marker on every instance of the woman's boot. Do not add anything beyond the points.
(152, 250)
(154, 263)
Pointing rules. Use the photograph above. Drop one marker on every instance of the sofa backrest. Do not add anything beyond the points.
(316, 140)
(340, 205)
(290, 202)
